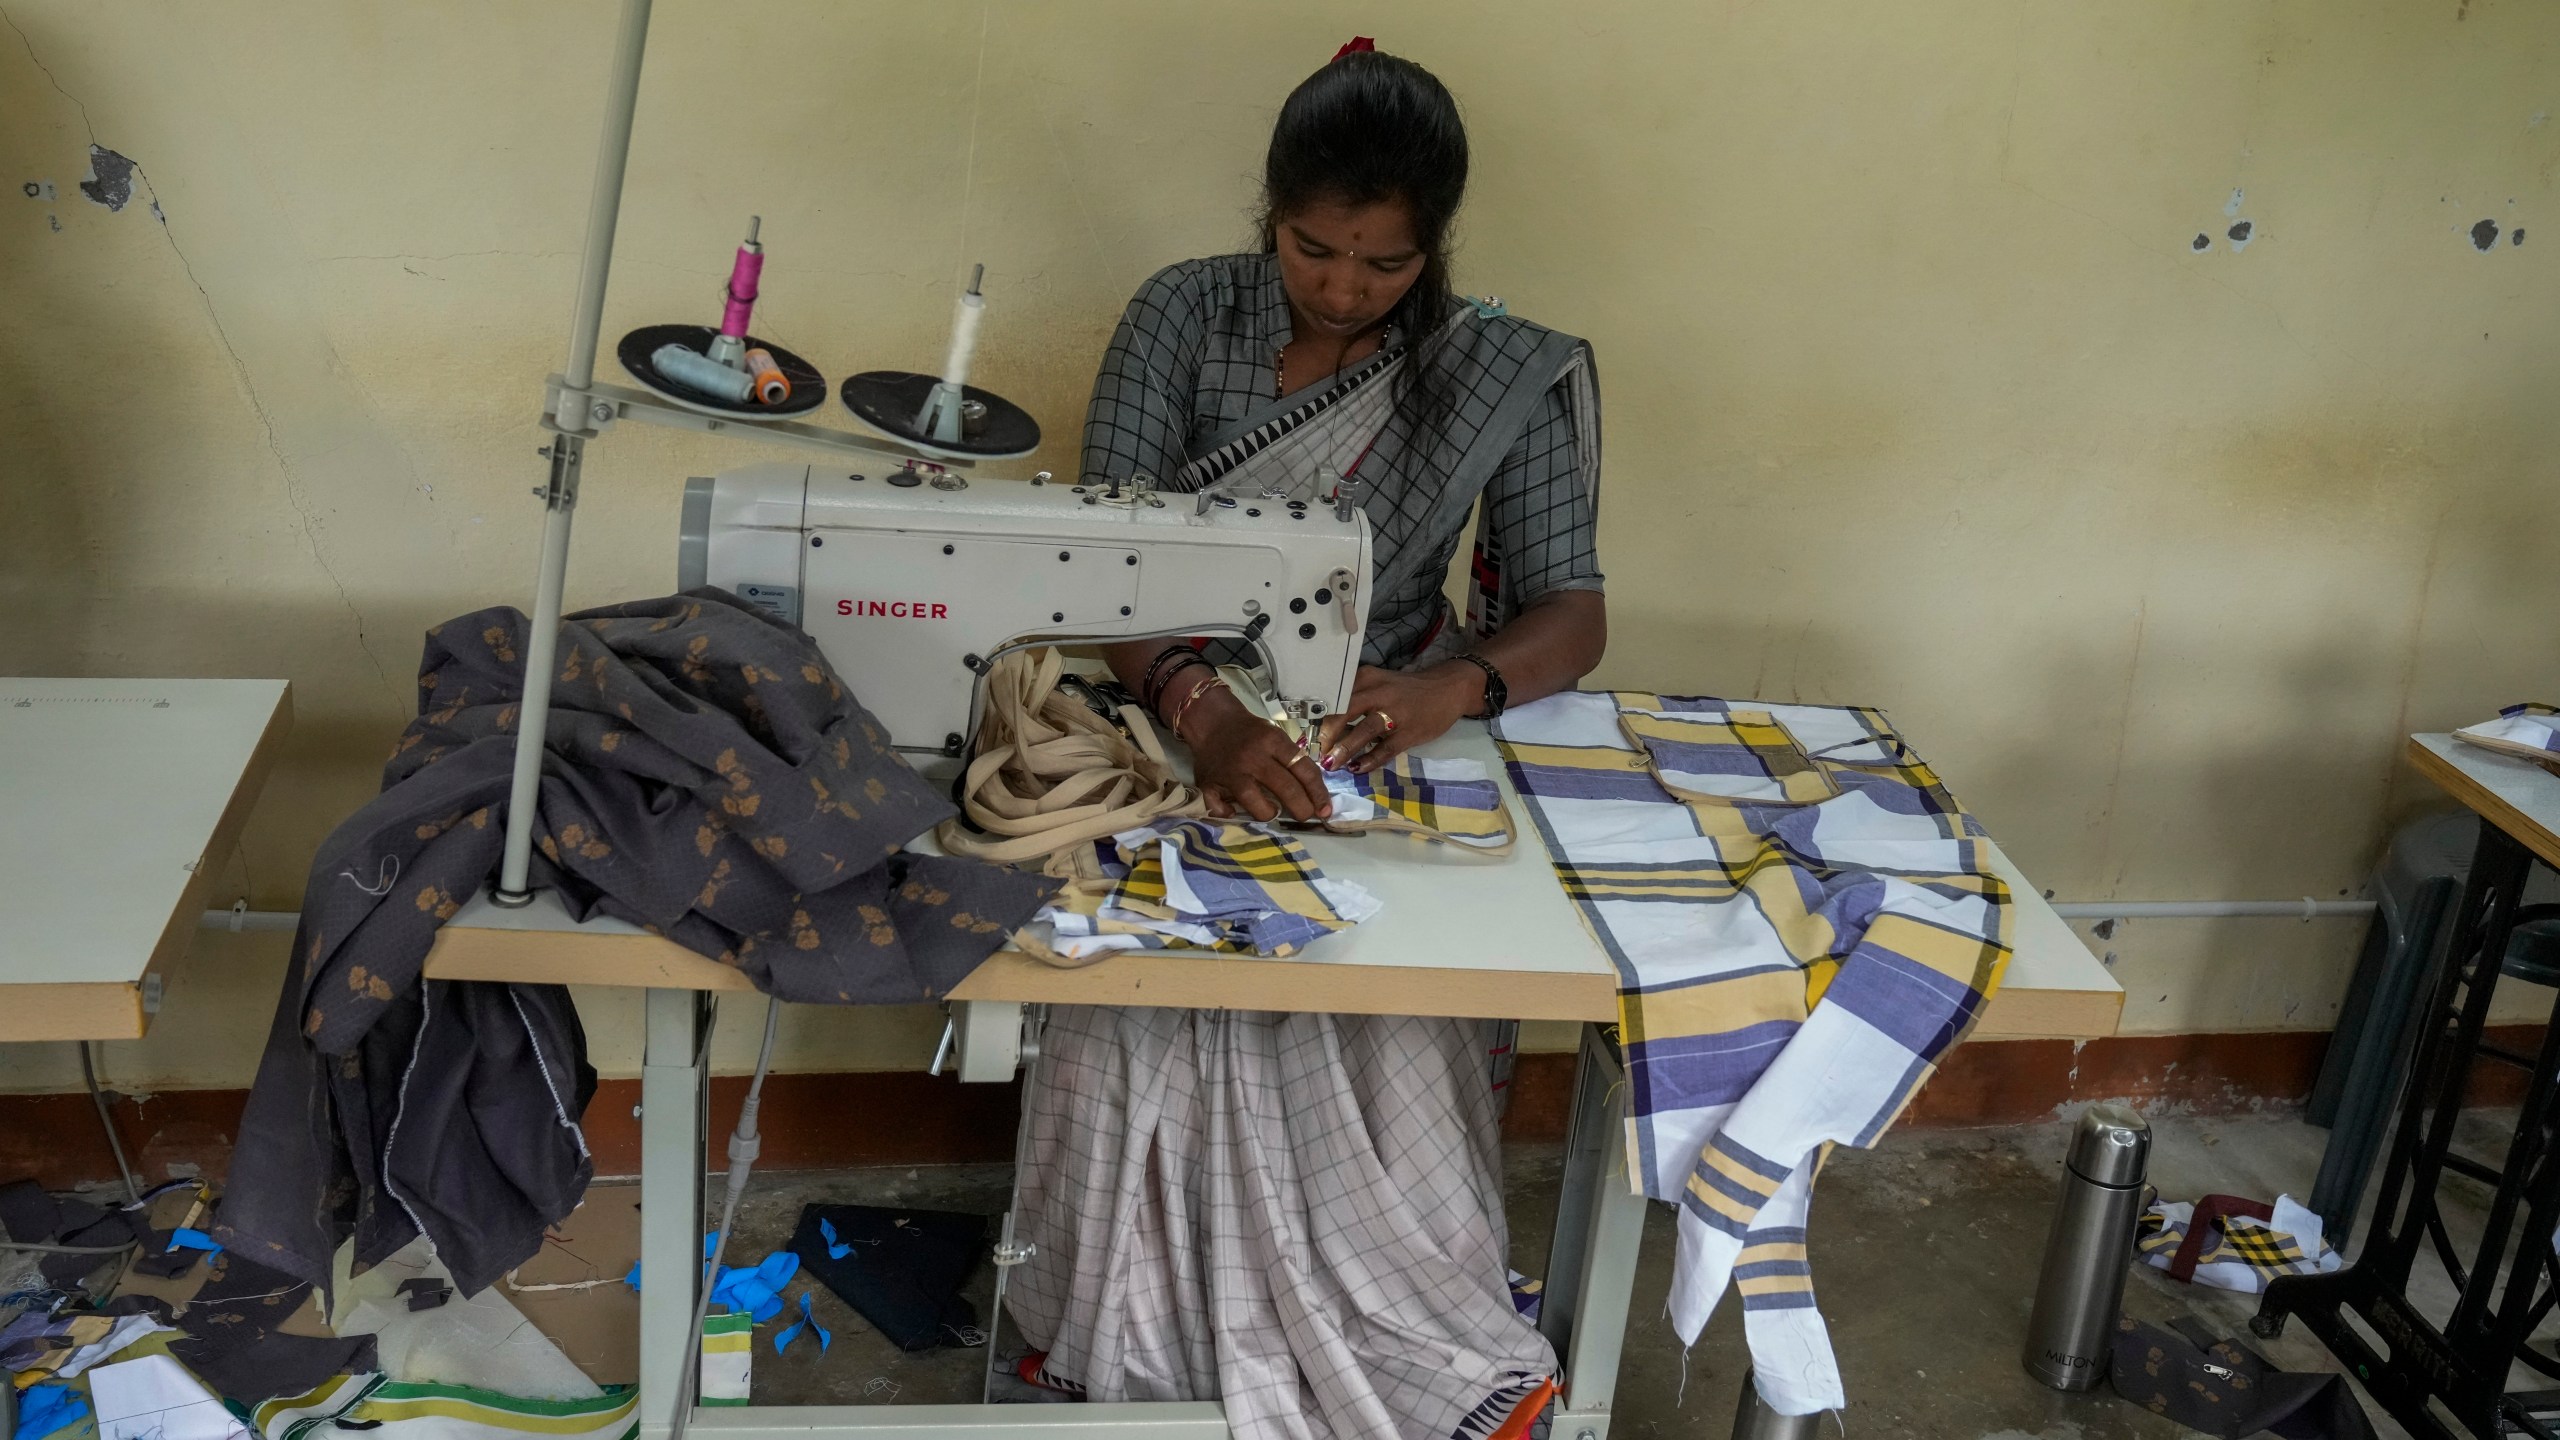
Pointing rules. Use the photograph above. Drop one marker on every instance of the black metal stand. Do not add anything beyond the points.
(2444, 1382)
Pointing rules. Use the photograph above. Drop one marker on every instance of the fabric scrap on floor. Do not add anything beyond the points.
(1804, 921)
(901, 1270)
(31, 1216)
(397, 1410)
(753, 1290)
(46, 1407)
(808, 1321)
(2231, 1243)
(480, 1340)
(706, 776)
(154, 1398)
(728, 1359)
(2222, 1387)
(232, 1341)
(122, 1331)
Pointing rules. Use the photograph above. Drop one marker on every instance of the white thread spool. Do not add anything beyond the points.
(940, 418)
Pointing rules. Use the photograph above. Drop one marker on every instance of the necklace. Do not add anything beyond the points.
(1279, 372)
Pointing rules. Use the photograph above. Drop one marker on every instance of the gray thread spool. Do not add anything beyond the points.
(703, 375)
(2080, 1291)
(1754, 1420)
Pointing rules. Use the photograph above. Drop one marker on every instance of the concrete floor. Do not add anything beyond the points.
(1924, 1254)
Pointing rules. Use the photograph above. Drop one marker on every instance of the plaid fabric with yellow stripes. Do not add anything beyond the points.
(1452, 796)
(1209, 885)
(1803, 921)
(2241, 1252)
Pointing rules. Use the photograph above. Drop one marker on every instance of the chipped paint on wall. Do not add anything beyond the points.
(110, 179)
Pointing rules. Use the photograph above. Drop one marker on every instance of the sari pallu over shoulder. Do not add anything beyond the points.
(1497, 368)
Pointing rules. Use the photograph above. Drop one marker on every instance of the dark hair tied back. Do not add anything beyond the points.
(1371, 127)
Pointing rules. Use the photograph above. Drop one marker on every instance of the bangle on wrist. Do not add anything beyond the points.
(1163, 684)
(1158, 664)
(1214, 682)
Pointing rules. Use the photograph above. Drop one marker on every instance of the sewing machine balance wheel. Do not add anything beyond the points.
(992, 427)
(808, 387)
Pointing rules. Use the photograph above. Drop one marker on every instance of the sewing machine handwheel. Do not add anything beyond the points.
(808, 387)
(888, 401)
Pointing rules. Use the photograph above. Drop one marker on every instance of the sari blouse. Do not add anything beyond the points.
(1195, 355)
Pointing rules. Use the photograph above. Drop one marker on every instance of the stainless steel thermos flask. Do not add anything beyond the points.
(2081, 1290)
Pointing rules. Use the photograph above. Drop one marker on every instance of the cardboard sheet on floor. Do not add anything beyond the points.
(598, 1324)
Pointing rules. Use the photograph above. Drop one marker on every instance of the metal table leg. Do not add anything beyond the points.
(1592, 1264)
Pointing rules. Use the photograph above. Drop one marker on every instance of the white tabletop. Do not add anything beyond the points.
(1459, 935)
(2518, 796)
(114, 796)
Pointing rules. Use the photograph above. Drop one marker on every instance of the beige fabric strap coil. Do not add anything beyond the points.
(1050, 776)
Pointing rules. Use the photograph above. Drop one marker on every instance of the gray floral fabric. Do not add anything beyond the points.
(706, 775)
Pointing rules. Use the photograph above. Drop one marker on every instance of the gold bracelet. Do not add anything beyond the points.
(1214, 682)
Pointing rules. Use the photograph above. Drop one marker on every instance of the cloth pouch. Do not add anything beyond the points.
(1739, 757)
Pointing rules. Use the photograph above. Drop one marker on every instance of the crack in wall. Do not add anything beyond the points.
(294, 493)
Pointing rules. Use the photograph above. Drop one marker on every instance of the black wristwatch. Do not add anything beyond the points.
(1496, 694)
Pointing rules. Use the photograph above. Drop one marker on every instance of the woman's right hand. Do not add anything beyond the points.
(1246, 765)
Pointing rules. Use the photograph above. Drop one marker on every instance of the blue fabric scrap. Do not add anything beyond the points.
(47, 1407)
(807, 1321)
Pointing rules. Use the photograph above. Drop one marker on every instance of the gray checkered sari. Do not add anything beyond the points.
(1185, 394)
(1301, 1215)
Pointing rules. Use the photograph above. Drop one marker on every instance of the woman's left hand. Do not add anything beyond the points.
(1394, 710)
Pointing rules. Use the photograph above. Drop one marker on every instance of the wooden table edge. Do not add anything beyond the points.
(73, 1010)
(81, 1010)
(2481, 801)
(643, 961)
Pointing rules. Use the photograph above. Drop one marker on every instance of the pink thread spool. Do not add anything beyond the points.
(729, 346)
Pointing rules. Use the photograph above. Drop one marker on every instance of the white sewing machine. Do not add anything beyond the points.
(914, 579)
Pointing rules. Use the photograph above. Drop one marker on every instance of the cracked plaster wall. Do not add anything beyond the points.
(1920, 392)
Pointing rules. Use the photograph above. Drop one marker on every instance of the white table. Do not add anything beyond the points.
(1460, 935)
(116, 798)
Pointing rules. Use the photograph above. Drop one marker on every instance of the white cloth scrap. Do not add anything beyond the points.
(154, 1398)
(2526, 732)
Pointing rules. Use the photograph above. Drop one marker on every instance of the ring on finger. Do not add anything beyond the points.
(1386, 722)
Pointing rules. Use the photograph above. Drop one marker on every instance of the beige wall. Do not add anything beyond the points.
(1916, 393)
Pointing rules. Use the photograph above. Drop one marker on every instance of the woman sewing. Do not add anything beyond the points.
(1301, 1215)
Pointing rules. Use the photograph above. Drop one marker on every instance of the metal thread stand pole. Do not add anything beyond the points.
(570, 425)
